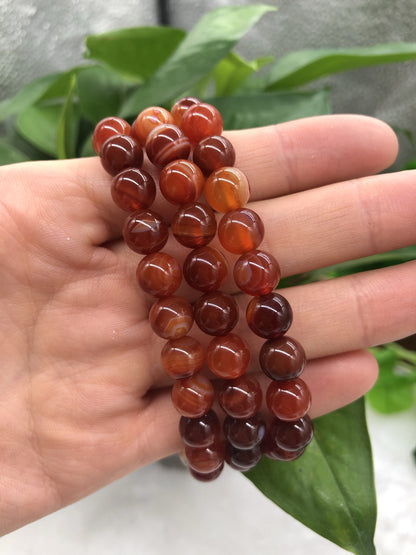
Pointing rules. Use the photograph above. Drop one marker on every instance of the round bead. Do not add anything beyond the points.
(149, 119)
(276, 453)
(288, 400)
(180, 107)
(269, 316)
(194, 225)
(292, 436)
(145, 232)
(206, 477)
(165, 144)
(193, 397)
(171, 317)
(282, 358)
(205, 269)
(241, 398)
(200, 121)
(244, 433)
(242, 459)
(227, 189)
(106, 128)
(182, 357)
(228, 356)
(213, 153)
(216, 313)
(256, 273)
(159, 274)
(181, 182)
(120, 152)
(240, 231)
(205, 459)
(200, 432)
(133, 189)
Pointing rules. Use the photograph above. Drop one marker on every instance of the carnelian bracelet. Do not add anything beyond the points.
(169, 138)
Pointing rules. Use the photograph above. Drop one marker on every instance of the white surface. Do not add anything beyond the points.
(159, 510)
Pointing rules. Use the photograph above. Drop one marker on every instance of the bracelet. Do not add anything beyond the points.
(193, 129)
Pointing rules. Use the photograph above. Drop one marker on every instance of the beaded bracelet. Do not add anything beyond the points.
(193, 128)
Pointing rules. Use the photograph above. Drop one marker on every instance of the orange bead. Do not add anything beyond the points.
(180, 107)
(193, 396)
(227, 189)
(240, 231)
(200, 121)
(228, 356)
(148, 119)
(181, 181)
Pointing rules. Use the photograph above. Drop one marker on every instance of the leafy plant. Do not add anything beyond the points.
(129, 69)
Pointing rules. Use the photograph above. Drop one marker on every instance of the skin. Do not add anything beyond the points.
(84, 399)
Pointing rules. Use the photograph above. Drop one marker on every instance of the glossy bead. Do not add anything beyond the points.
(288, 400)
(106, 128)
(240, 231)
(159, 274)
(292, 436)
(242, 397)
(269, 316)
(205, 269)
(149, 119)
(171, 317)
(227, 189)
(200, 432)
(193, 397)
(200, 121)
(145, 232)
(181, 182)
(180, 107)
(194, 225)
(244, 433)
(282, 358)
(256, 273)
(216, 313)
(182, 357)
(276, 453)
(208, 476)
(213, 153)
(242, 459)
(119, 153)
(133, 189)
(228, 356)
(205, 459)
(165, 144)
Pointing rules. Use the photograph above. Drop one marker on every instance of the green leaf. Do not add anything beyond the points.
(39, 125)
(233, 71)
(100, 93)
(67, 126)
(206, 44)
(9, 154)
(297, 68)
(136, 52)
(330, 488)
(256, 110)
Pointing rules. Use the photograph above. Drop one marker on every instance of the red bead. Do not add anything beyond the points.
(182, 357)
(208, 476)
(242, 397)
(193, 397)
(205, 460)
(106, 128)
(242, 459)
(282, 358)
(200, 121)
(181, 106)
(227, 189)
(240, 231)
(244, 433)
(228, 356)
(194, 225)
(292, 436)
(288, 400)
(269, 316)
(276, 453)
(165, 144)
(205, 269)
(159, 274)
(200, 432)
(256, 273)
(216, 313)
(149, 119)
(133, 189)
(171, 317)
(145, 232)
(119, 153)
(213, 153)
(181, 182)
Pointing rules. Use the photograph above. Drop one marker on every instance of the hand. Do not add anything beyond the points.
(83, 397)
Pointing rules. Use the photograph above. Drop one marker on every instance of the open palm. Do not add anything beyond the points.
(83, 397)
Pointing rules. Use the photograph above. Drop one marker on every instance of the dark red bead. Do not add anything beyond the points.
(181, 106)
(200, 121)
(133, 189)
(213, 153)
(159, 274)
(106, 128)
(145, 232)
(240, 398)
(181, 182)
(171, 317)
(193, 397)
(119, 153)
(282, 358)
(269, 316)
(228, 356)
(244, 433)
(205, 459)
(256, 273)
(200, 432)
(292, 436)
(182, 357)
(289, 399)
(240, 230)
(242, 459)
(194, 225)
(165, 144)
(216, 313)
(276, 453)
(205, 269)
(208, 476)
